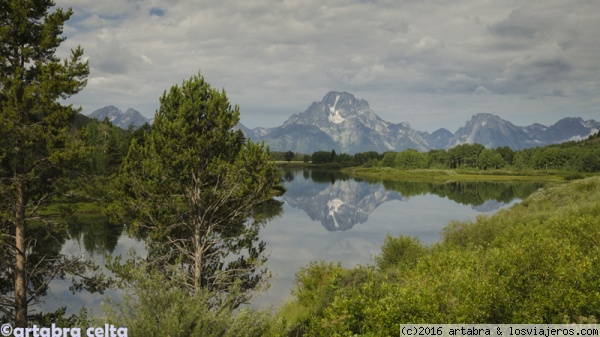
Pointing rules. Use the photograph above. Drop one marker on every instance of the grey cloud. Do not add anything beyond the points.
(114, 57)
(481, 90)
(525, 74)
(275, 57)
(157, 11)
(517, 25)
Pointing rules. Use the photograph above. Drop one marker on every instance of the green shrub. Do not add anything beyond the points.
(402, 252)
(153, 307)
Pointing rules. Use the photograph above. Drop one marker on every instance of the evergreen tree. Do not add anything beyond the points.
(193, 184)
(289, 156)
(35, 146)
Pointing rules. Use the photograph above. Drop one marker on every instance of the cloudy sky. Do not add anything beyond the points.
(431, 63)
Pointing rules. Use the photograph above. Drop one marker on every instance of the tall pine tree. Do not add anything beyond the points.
(196, 187)
(35, 146)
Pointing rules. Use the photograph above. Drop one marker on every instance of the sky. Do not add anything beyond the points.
(431, 63)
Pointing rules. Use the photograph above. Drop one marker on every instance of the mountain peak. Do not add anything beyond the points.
(350, 123)
(345, 123)
(484, 115)
(491, 131)
(333, 96)
(119, 118)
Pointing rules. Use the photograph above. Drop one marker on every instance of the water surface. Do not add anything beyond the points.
(326, 216)
(334, 217)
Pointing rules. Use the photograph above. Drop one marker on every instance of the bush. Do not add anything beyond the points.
(401, 252)
(153, 307)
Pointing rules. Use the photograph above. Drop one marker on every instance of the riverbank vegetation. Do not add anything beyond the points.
(465, 162)
(537, 262)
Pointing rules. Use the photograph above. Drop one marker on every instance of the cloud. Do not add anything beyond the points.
(156, 11)
(518, 24)
(481, 90)
(428, 43)
(538, 73)
(274, 57)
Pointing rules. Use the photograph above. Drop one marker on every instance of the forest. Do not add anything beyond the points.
(575, 156)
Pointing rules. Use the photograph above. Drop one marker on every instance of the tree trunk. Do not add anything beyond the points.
(20, 261)
(197, 258)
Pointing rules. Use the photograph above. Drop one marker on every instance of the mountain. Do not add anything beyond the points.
(338, 203)
(491, 131)
(566, 129)
(438, 139)
(119, 118)
(344, 123)
(340, 122)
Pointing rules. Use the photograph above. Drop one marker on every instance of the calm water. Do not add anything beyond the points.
(326, 215)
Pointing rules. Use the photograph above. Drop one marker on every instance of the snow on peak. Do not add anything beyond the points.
(334, 115)
(334, 206)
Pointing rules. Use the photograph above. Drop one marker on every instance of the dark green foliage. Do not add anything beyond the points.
(108, 146)
(284, 156)
(193, 184)
(438, 159)
(321, 157)
(506, 153)
(583, 156)
(40, 160)
(288, 156)
(389, 159)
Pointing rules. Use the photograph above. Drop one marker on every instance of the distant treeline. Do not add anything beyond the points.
(107, 144)
(581, 156)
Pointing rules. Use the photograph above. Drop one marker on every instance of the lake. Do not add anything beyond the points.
(326, 215)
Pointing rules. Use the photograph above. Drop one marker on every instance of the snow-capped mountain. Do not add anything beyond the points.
(120, 118)
(338, 204)
(341, 122)
(346, 124)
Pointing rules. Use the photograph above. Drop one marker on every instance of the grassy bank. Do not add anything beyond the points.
(301, 164)
(433, 175)
(537, 262)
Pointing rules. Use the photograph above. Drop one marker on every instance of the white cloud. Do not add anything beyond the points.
(274, 57)
(427, 43)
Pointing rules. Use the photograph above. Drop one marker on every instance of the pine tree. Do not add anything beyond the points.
(194, 185)
(35, 147)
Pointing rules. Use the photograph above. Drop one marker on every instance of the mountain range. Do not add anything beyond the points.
(346, 124)
(119, 118)
(343, 123)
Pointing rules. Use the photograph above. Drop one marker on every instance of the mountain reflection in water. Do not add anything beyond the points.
(340, 202)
